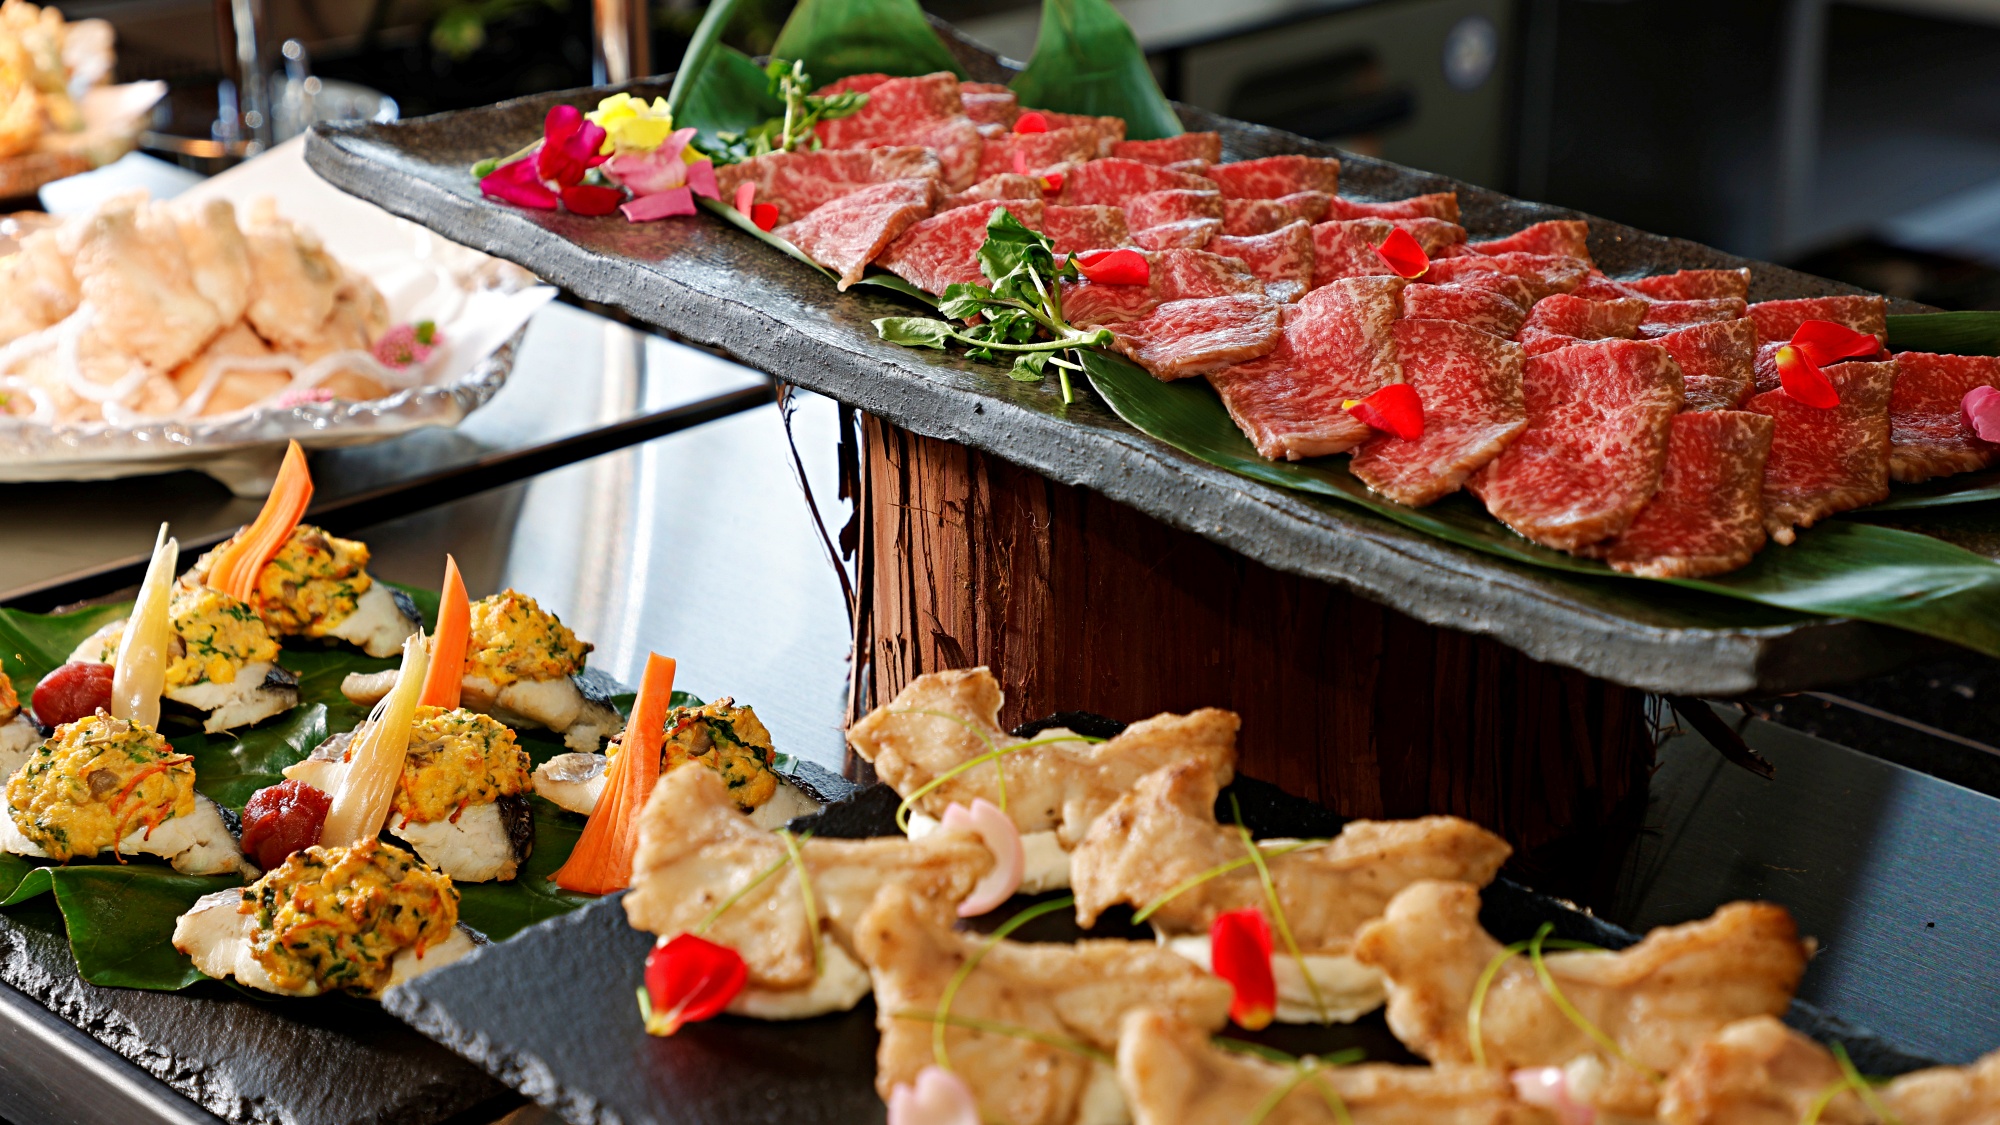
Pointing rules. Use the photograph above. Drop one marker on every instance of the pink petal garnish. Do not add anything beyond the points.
(1547, 1087)
(997, 831)
(676, 141)
(1981, 407)
(517, 183)
(647, 172)
(302, 396)
(659, 205)
(701, 177)
(746, 196)
(939, 1097)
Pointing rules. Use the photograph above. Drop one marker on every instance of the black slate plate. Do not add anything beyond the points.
(711, 284)
(553, 1012)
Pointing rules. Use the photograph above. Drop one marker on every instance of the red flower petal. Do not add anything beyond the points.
(659, 205)
(765, 215)
(1115, 267)
(1031, 122)
(558, 128)
(690, 979)
(1402, 254)
(1823, 342)
(517, 183)
(1020, 163)
(1052, 183)
(1239, 949)
(746, 194)
(1804, 381)
(589, 199)
(1395, 410)
(1981, 407)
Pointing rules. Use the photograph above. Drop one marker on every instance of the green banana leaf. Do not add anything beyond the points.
(120, 917)
(1946, 333)
(1088, 61)
(1839, 568)
(838, 38)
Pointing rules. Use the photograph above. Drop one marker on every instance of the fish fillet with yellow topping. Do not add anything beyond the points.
(222, 660)
(721, 736)
(351, 919)
(105, 786)
(524, 667)
(317, 586)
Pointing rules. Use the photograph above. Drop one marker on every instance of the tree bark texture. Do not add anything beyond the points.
(1080, 603)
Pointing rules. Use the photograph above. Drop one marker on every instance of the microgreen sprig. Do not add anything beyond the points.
(795, 128)
(1533, 947)
(798, 861)
(1016, 1031)
(942, 1017)
(1310, 1069)
(1220, 869)
(1851, 1078)
(1277, 910)
(993, 754)
(757, 881)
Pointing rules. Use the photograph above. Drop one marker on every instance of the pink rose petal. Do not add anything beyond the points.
(746, 195)
(1981, 407)
(676, 141)
(939, 1097)
(701, 177)
(997, 831)
(1547, 1087)
(660, 205)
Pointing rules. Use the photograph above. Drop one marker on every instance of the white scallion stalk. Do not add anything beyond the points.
(139, 674)
(361, 804)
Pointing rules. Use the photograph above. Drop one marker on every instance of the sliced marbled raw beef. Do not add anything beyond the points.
(1560, 320)
(1036, 154)
(1275, 176)
(1598, 419)
(1346, 247)
(1172, 205)
(798, 183)
(1663, 317)
(1188, 234)
(1928, 436)
(1827, 461)
(1718, 361)
(848, 233)
(1545, 274)
(1194, 337)
(1778, 321)
(1692, 285)
(1110, 130)
(1005, 186)
(1338, 344)
(1172, 150)
(925, 111)
(989, 103)
(1470, 385)
(1282, 258)
(1262, 216)
(1115, 181)
(1437, 205)
(1172, 275)
(1708, 516)
(1465, 304)
(1076, 229)
(944, 248)
(1563, 238)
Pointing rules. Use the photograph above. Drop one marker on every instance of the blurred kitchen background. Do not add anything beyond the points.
(1858, 140)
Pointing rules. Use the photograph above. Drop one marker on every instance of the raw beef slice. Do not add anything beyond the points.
(1172, 150)
(1598, 419)
(1437, 205)
(1560, 320)
(1034, 154)
(1115, 181)
(1275, 176)
(1173, 205)
(1076, 229)
(1663, 317)
(1827, 461)
(895, 105)
(1346, 247)
(1006, 186)
(1778, 320)
(1470, 384)
(1718, 360)
(1478, 308)
(1110, 130)
(1708, 516)
(1194, 337)
(799, 183)
(1188, 234)
(989, 103)
(1563, 238)
(1338, 344)
(1545, 274)
(1282, 258)
(1928, 436)
(1692, 285)
(944, 248)
(1262, 216)
(1173, 275)
(847, 234)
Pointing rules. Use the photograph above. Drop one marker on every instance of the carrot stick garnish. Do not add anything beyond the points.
(446, 677)
(602, 860)
(239, 561)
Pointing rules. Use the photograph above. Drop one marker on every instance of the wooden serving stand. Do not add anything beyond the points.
(1081, 603)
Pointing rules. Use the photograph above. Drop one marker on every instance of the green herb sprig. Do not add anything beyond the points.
(1019, 314)
(795, 129)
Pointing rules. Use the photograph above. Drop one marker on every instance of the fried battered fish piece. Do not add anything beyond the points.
(1077, 992)
(235, 387)
(1948, 1095)
(1173, 1075)
(132, 271)
(295, 282)
(1758, 1072)
(1657, 1000)
(945, 719)
(696, 849)
(1164, 832)
(37, 286)
(217, 256)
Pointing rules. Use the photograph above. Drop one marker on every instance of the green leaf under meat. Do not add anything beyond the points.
(1088, 61)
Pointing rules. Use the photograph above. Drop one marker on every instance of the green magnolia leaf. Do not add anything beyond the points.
(914, 331)
(1087, 61)
(839, 38)
(1840, 568)
(121, 921)
(33, 644)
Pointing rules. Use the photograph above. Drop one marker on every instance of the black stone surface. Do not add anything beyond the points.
(713, 285)
(554, 1014)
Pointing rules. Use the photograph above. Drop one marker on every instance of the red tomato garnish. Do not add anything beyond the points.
(1031, 122)
(282, 819)
(765, 215)
(72, 692)
(1114, 267)
(1823, 342)
(1402, 254)
(1804, 381)
(689, 979)
(1239, 949)
(1981, 407)
(1395, 410)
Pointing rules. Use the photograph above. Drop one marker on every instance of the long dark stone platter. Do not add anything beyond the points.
(705, 282)
(553, 1012)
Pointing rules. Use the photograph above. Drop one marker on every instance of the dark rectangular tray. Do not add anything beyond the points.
(703, 281)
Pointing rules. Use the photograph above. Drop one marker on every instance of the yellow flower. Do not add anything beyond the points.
(631, 125)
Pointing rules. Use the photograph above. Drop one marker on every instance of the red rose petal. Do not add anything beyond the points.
(765, 215)
(1981, 407)
(518, 184)
(1052, 183)
(1031, 122)
(1402, 254)
(1395, 410)
(1239, 950)
(588, 199)
(1804, 381)
(1115, 267)
(690, 979)
(1823, 342)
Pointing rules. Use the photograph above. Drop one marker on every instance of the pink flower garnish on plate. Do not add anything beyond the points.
(570, 146)
(301, 397)
(406, 344)
(1547, 1087)
(518, 184)
(997, 831)
(1981, 407)
(938, 1097)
